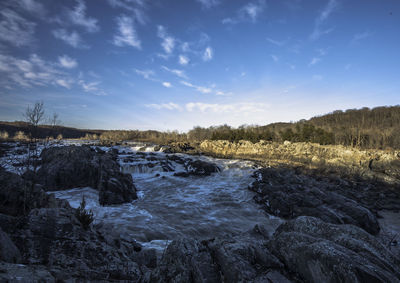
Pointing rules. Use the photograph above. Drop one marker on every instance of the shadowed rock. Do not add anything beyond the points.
(287, 195)
(233, 259)
(323, 252)
(80, 166)
(198, 168)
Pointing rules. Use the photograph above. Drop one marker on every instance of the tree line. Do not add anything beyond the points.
(364, 128)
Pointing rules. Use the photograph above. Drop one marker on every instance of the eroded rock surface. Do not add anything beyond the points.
(80, 166)
(234, 259)
(50, 244)
(285, 194)
(323, 252)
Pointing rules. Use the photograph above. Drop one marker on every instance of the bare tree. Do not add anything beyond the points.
(34, 116)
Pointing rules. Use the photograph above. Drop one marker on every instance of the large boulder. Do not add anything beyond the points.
(198, 168)
(323, 252)
(81, 166)
(284, 194)
(242, 258)
(53, 237)
(19, 196)
(8, 251)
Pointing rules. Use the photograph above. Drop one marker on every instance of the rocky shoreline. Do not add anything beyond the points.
(330, 232)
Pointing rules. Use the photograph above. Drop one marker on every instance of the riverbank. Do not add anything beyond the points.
(348, 161)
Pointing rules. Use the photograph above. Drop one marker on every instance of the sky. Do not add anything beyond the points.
(176, 64)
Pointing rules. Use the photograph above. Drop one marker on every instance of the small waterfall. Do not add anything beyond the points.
(140, 168)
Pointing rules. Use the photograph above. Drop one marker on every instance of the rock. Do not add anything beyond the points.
(80, 166)
(54, 238)
(323, 252)
(18, 196)
(285, 194)
(201, 168)
(385, 165)
(117, 190)
(24, 273)
(8, 251)
(198, 168)
(233, 259)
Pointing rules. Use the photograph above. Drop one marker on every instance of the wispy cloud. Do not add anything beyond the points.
(275, 58)
(16, 30)
(247, 13)
(73, 39)
(168, 42)
(314, 61)
(167, 84)
(318, 30)
(33, 7)
(276, 42)
(92, 87)
(31, 72)
(67, 62)
(126, 33)
(209, 3)
(183, 60)
(208, 54)
(176, 72)
(201, 89)
(147, 74)
(168, 106)
(360, 36)
(77, 16)
(135, 6)
(238, 108)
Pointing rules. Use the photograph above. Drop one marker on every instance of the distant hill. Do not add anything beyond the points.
(45, 130)
(366, 128)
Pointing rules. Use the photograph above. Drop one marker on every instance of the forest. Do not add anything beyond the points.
(363, 128)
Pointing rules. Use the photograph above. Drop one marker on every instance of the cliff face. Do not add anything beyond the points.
(369, 163)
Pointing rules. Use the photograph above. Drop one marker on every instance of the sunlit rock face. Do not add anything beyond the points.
(371, 163)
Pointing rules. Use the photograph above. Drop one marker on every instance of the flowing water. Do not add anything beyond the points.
(170, 207)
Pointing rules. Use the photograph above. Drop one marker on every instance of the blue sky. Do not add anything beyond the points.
(175, 64)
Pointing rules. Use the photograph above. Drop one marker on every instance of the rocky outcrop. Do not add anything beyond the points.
(19, 196)
(50, 244)
(197, 168)
(80, 166)
(54, 238)
(322, 252)
(8, 251)
(371, 164)
(305, 249)
(286, 194)
(233, 259)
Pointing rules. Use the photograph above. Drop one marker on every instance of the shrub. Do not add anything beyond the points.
(4, 135)
(84, 216)
(20, 135)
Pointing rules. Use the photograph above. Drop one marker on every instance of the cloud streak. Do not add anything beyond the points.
(176, 72)
(207, 4)
(321, 18)
(16, 30)
(78, 17)
(67, 62)
(247, 13)
(126, 33)
(208, 54)
(73, 39)
(237, 108)
(168, 42)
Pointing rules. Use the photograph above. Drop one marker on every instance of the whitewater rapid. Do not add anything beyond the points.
(171, 207)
